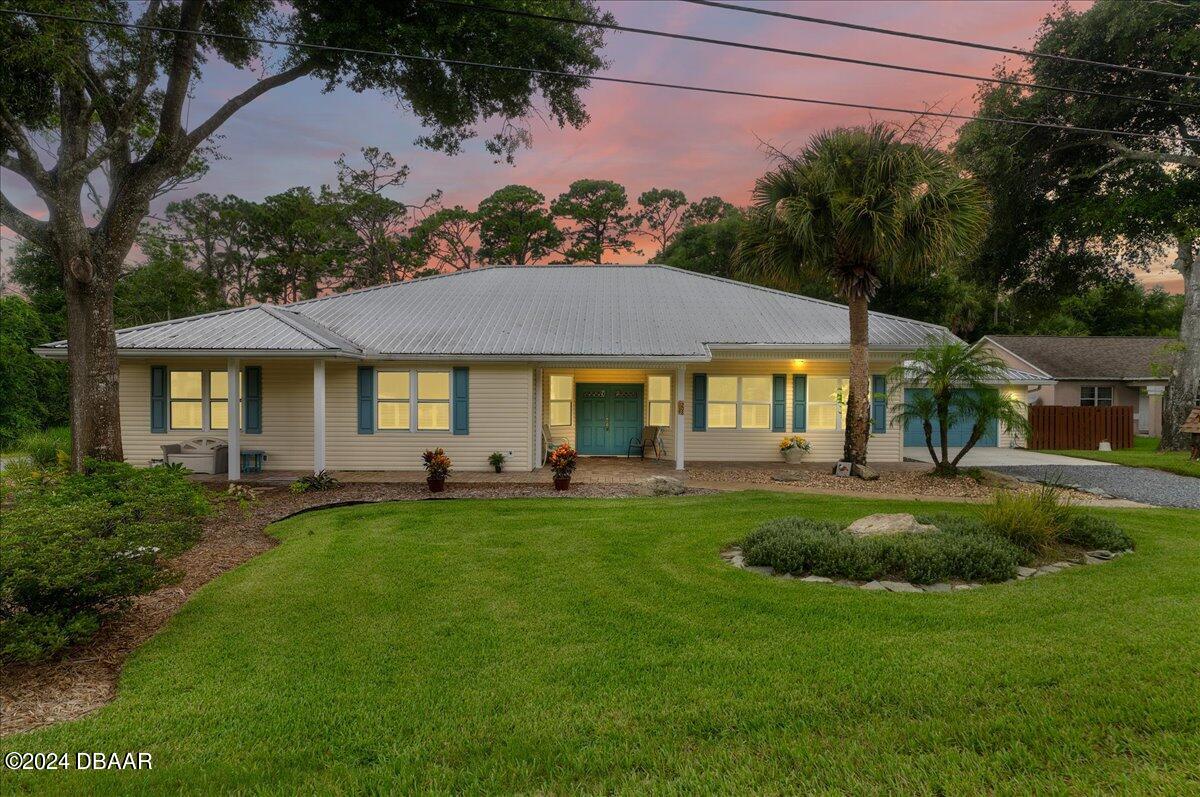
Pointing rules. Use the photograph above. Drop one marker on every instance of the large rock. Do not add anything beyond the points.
(864, 472)
(899, 523)
(662, 485)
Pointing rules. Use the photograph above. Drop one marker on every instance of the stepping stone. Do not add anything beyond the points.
(899, 586)
(874, 586)
(817, 580)
(762, 570)
(937, 587)
(1025, 572)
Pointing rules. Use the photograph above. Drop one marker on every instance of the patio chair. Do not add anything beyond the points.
(651, 437)
(550, 442)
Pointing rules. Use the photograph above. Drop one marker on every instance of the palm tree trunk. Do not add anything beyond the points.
(858, 416)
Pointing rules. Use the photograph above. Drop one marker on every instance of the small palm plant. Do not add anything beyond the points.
(955, 381)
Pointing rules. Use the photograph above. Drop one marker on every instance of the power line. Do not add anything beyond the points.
(513, 12)
(601, 78)
(940, 39)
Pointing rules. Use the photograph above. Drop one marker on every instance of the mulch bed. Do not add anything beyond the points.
(85, 677)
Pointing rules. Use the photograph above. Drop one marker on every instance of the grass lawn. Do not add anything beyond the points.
(602, 645)
(1144, 454)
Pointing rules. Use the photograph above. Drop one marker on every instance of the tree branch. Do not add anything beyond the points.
(179, 75)
(22, 223)
(231, 106)
(26, 163)
(1143, 156)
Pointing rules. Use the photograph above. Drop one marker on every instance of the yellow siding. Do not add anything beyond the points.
(287, 425)
(501, 406)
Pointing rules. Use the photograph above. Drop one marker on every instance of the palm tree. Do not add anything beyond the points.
(955, 381)
(855, 206)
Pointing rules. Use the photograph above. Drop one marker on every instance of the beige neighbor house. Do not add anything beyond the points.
(1094, 371)
(502, 358)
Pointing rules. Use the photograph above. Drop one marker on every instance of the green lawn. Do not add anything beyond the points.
(1144, 454)
(602, 645)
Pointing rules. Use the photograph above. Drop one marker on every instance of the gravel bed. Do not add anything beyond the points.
(1143, 485)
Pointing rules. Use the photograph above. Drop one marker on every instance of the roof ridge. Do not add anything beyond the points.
(1087, 337)
(333, 341)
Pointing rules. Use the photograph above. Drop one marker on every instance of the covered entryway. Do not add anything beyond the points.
(608, 417)
(959, 434)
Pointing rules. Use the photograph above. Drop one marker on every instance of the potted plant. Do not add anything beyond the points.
(497, 460)
(562, 461)
(793, 448)
(437, 468)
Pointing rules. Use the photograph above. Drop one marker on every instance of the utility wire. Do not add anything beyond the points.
(940, 39)
(513, 12)
(602, 78)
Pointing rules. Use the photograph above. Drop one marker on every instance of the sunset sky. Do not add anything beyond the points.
(641, 137)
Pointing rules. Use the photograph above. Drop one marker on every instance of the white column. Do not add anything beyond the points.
(680, 373)
(318, 416)
(539, 445)
(234, 414)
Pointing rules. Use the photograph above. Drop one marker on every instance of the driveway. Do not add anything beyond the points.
(1146, 486)
(992, 457)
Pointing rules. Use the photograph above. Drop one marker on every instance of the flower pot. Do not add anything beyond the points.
(498, 468)
(562, 482)
(794, 455)
(436, 485)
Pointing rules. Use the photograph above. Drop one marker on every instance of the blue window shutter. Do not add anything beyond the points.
(800, 403)
(778, 402)
(252, 401)
(158, 399)
(366, 399)
(462, 404)
(699, 402)
(878, 403)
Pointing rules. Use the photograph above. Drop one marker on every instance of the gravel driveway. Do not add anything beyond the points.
(1144, 485)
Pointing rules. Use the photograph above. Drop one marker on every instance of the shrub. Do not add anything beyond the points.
(437, 464)
(562, 461)
(963, 550)
(1092, 533)
(315, 482)
(47, 449)
(82, 548)
(1033, 521)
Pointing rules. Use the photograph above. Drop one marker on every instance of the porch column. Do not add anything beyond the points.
(318, 416)
(234, 413)
(680, 375)
(539, 445)
(1154, 401)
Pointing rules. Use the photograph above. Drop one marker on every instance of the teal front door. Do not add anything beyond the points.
(607, 418)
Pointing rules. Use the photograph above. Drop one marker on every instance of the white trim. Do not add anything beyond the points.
(233, 434)
(680, 375)
(1032, 368)
(539, 445)
(318, 416)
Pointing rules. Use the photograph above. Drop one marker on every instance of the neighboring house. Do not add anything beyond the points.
(1096, 371)
(491, 359)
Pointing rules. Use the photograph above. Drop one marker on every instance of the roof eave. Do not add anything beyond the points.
(57, 353)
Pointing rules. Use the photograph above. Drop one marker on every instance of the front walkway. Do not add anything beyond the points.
(979, 457)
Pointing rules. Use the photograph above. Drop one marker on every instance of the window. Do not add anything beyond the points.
(433, 401)
(747, 396)
(1095, 396)
(218, 398)
(658, 391)
(827, 402)
(187, 399)
(391, 391)
(561, 389)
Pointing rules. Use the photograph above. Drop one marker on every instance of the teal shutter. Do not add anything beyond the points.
(461, 400)
(158, 399)
(366, 399)
(252, 401)
(799, 403)
(878, 403)
(699, 402)
(778, 402)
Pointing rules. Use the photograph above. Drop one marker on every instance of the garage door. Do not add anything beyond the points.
(960, 432)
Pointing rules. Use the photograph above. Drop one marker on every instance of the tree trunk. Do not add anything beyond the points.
(1183, 389)
(858, 416)
(92, 368)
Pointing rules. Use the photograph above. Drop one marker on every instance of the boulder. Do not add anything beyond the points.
(864, 472)
(662, 485)
(786, 476)
(899, 523)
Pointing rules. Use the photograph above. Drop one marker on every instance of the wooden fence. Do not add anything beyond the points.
(1081, 428)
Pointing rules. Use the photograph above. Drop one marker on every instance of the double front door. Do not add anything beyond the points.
(608, 417)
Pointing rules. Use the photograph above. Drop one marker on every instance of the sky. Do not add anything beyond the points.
(641, 137)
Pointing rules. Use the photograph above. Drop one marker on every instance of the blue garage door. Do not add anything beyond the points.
(960, 432)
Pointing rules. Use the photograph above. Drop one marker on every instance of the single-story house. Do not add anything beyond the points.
(502, 358)
(1094, 371)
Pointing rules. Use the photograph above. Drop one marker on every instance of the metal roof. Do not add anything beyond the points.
(650, 311)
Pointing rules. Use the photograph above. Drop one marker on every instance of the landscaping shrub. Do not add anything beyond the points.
(1033, 521)
(314, 482)
(1091, 532)
(959, 552)
(47, 449)
(81, 548)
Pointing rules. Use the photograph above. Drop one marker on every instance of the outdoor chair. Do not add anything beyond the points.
(550, 442)
(199, 455)
(651, 437)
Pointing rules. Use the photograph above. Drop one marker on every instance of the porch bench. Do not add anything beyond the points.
(199, 455)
